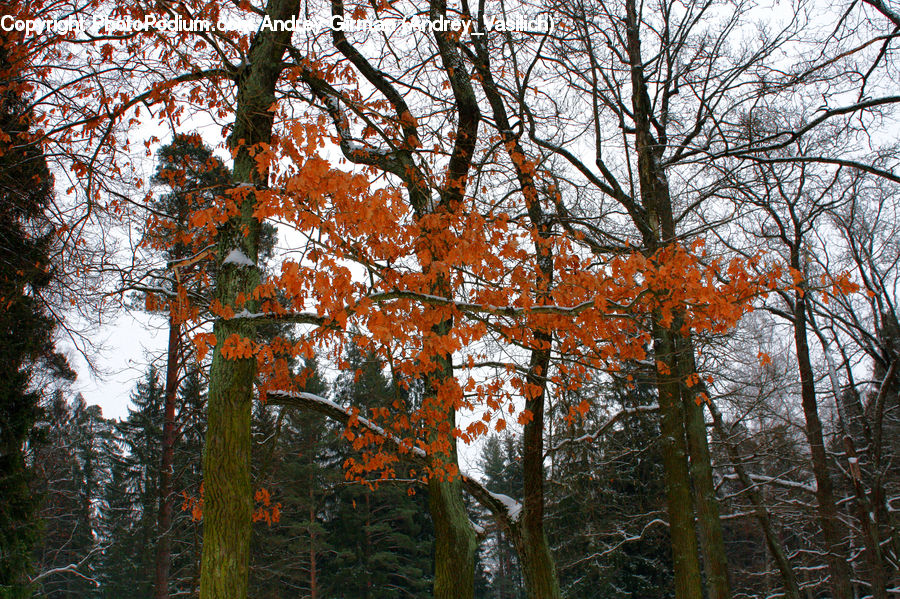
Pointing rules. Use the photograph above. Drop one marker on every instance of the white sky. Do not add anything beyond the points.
(128, 344)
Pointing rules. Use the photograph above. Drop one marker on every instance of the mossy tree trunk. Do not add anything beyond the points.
(658, 229)
(709, 524)
(682, 422)
(228, 497)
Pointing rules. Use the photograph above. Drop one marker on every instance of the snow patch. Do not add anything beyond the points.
(513, 507)
(238, 258)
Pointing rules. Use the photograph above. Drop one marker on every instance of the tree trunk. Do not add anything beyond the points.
(828, 518)
(313, 581)
(688, 583)
(166, 475)
(454, 537)
(868, 522)
(227, 496)
(454, 546)
(538, 567)
(659, 231)
(712, 544)
(851, 417)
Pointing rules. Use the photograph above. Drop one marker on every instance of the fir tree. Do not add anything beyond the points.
(287, 554)
(501, 464)
(381, 535)
(141, 432)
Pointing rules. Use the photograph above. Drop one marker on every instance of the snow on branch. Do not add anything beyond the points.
(285, 317)
(780, 482)
(505, 509)
(71, 569)
(513, 507)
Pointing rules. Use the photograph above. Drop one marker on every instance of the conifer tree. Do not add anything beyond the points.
(380, 534)
(26, 330)
(290, 462)
(194, 178)
(607, 508)
(501, 464)
(72, 471)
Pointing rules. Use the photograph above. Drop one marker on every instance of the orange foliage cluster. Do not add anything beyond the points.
(596, 310)
(192, 504)
(266, 511)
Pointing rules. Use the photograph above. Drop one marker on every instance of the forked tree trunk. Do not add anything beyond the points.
(529, 538)
(682, 425)
(660, 231)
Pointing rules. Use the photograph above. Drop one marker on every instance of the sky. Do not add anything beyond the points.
(127, 344)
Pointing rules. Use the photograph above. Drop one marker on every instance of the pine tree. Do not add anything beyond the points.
(119, 569)
(184, 575)
(287, 554)
(194, 177)
(141, 432)
(381, 535)
(501, 464)
(130, 504)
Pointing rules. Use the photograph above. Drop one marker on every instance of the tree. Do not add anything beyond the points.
(611, 268)
(194, 177)
(649, 141)
(607, 492)
(26, 328)
(292, 460)
(500, 462)
(142, 434)
(71, 471)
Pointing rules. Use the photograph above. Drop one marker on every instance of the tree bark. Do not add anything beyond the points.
(166, 474)
(688, 583)
(454, 547)
(659, 232)
(538, 565)
(712, 544)
(228, 505)
(828, 519)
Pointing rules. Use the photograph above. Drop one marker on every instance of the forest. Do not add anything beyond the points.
(515, 299)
